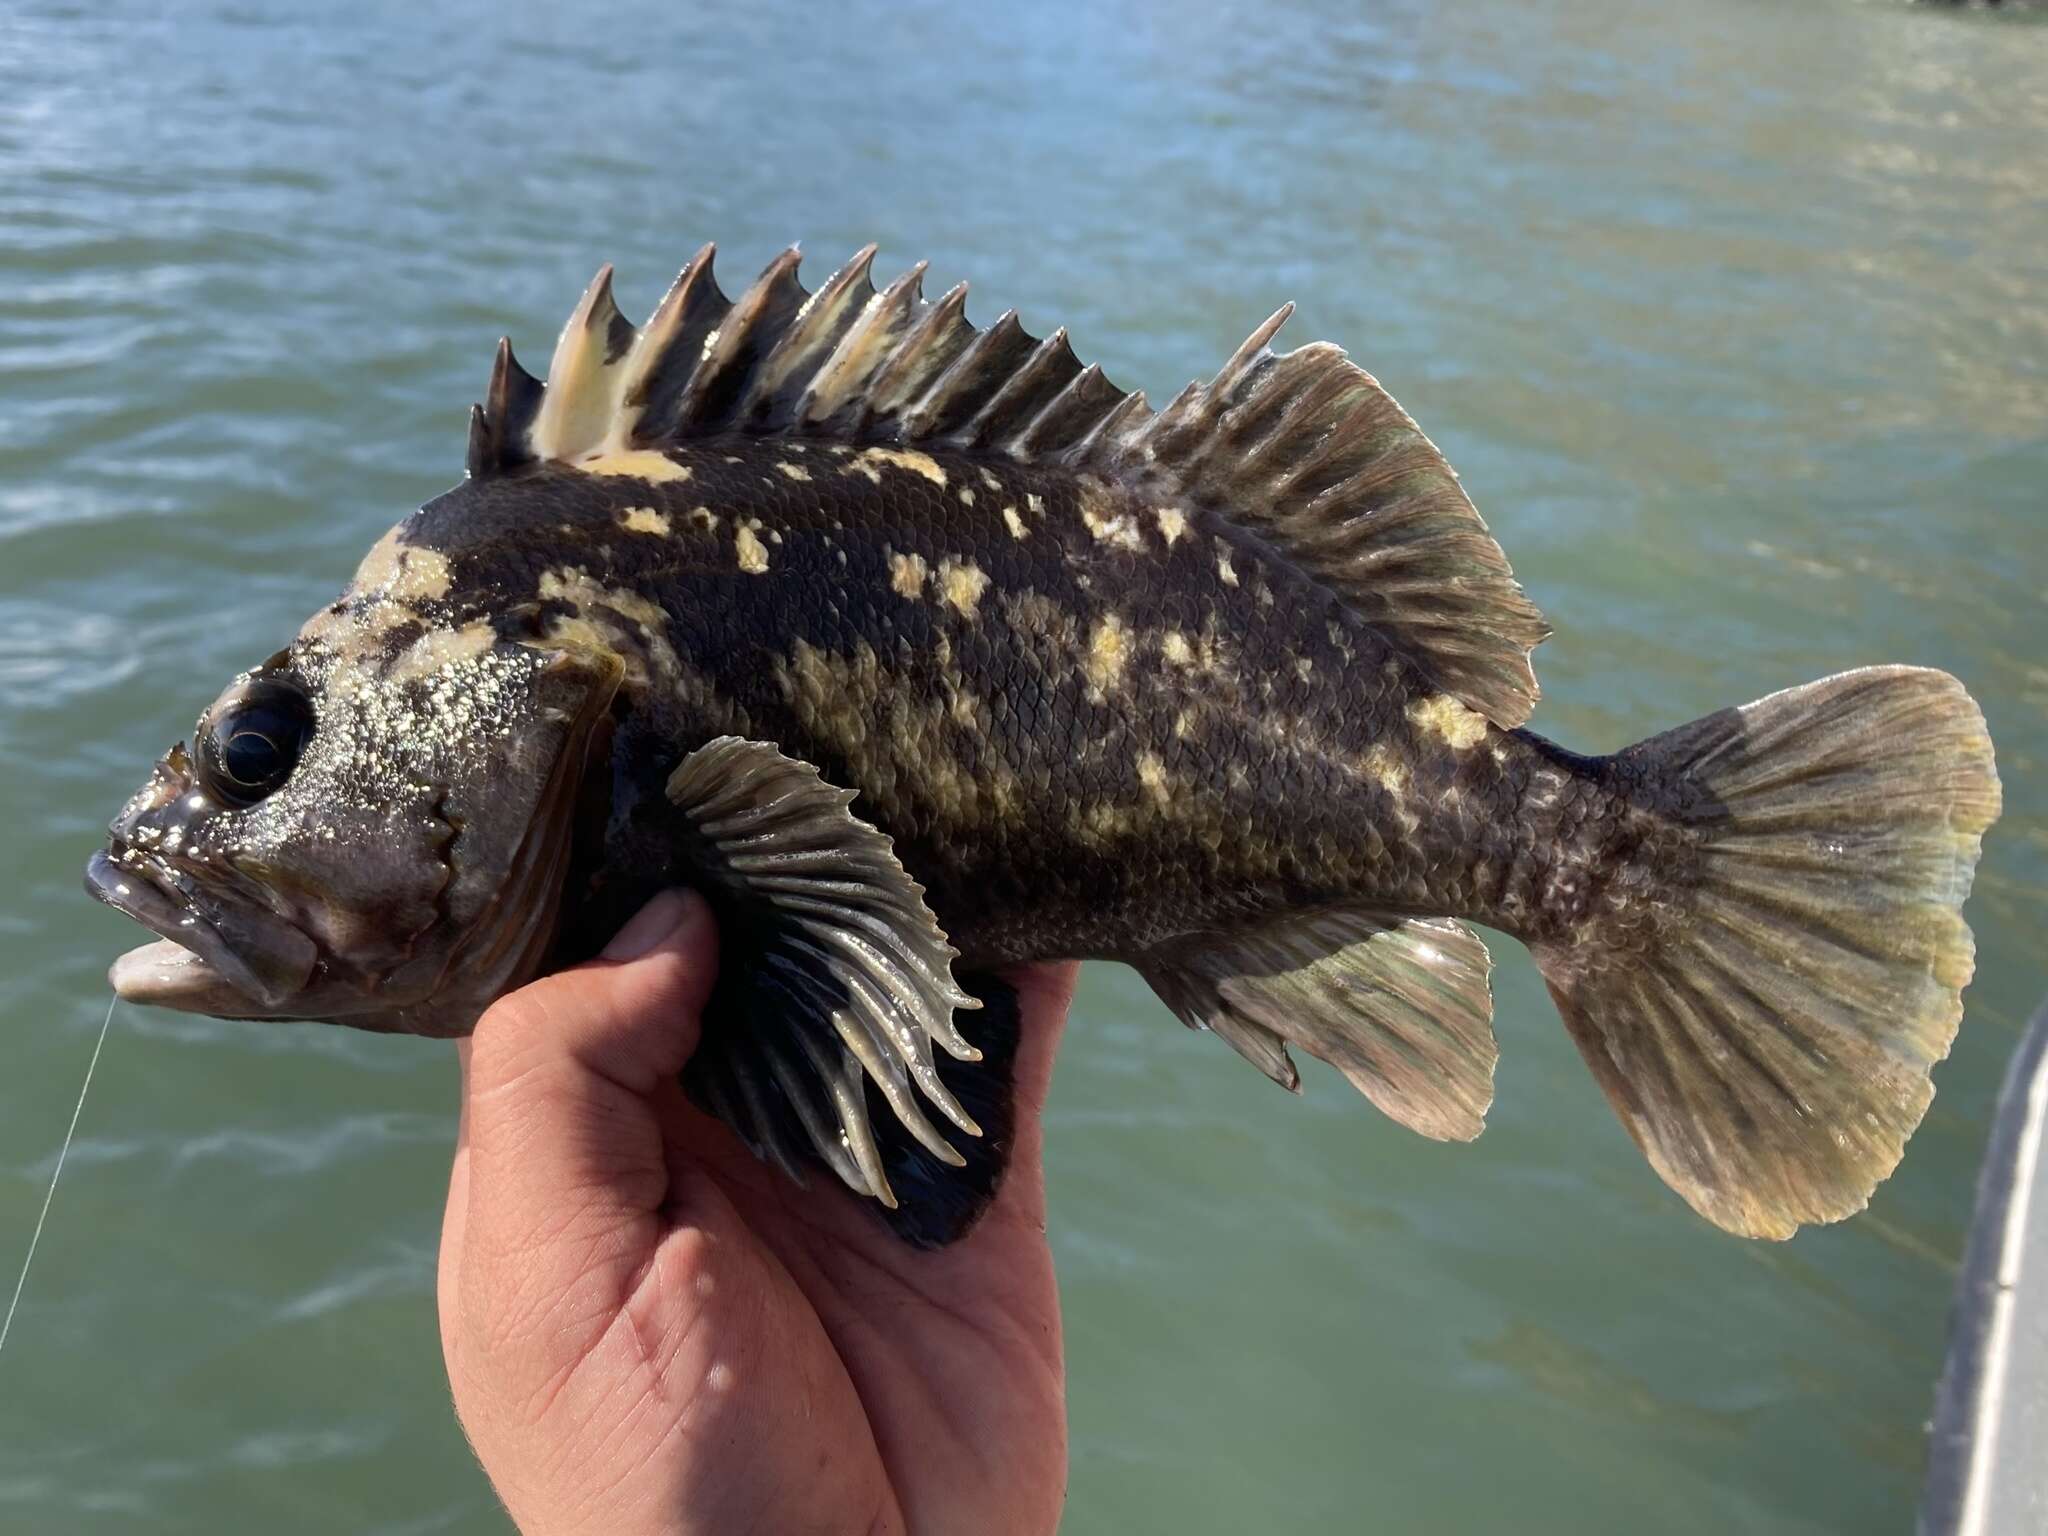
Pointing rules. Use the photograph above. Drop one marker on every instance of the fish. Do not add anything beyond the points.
(925, 651)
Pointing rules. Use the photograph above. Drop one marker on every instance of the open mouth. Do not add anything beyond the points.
(195, 967)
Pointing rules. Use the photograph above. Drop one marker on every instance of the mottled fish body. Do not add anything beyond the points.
(925, 650)
(1077, 732)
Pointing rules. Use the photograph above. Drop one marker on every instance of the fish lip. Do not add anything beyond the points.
(217, 974)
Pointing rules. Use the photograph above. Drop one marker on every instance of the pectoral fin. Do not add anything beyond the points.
(1400, 1006)
(835, 981)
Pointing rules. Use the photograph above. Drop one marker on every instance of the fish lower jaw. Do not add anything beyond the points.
(168, 975)
(194, 966)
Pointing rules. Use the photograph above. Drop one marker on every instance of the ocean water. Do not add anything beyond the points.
(1734, 317)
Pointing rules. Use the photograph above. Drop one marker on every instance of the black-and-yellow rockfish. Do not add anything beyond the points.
(925, 650)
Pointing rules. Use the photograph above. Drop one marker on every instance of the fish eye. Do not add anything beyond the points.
(251, 742)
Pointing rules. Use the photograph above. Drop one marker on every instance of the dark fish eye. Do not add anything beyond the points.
(251, 742)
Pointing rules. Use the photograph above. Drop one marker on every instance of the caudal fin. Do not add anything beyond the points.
(1766, 1024)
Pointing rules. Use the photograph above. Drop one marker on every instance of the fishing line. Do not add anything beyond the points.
(58, 1172)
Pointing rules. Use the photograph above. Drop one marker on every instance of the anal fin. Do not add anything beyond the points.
(1401, 1006)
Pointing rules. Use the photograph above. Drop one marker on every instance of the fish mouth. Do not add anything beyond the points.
(229, 961)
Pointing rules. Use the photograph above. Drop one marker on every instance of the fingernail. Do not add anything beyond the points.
(649, 927)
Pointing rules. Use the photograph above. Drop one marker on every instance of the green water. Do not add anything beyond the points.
(1734, 316)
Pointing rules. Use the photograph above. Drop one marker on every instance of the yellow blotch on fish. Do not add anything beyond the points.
(1109, 650)
(1152, 774)
(574, 585)
(407, 572)
(348, 629)
(1172, 524)
(873, 461)
(1202, 654)
(961, 583)
(1443, 717)
(1224, 568)
(1391, 774)
(636, 464)
(440, 649)
(613, 619)
(1385, 768)
(794, 472)
(645, 520)
(748, 550)
(1110, 522)
(1015, 523)
(906, 574)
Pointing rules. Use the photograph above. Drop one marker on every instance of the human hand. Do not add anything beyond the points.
(647, 1330)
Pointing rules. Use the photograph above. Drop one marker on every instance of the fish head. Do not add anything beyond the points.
(373, 827)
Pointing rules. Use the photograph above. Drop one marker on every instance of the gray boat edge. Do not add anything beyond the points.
(1970, 1489)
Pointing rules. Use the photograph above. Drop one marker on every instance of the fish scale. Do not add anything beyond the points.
(924, 649)
(1095, 857)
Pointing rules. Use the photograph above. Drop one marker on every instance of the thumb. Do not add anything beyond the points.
(567, 1171)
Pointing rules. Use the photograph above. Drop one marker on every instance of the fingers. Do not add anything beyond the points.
(455, 1213)
(1044, 995)
(564, 1164)
(624, 1354)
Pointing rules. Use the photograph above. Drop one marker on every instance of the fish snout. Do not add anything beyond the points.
(215, 954)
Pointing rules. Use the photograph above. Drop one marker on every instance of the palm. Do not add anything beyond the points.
(761, 1357)
(943, 1369)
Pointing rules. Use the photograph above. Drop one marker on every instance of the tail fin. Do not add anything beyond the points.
(1766, 1034)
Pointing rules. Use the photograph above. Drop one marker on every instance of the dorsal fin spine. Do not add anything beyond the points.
(662, 329)
(1159, 431)
(672, 347)
(1047, 371)
(1114, 433)
(854, 367)
(931, 346)
(1070, 416)
(979, 370)
(736, 345)
(581, 408)
(1253, 352)
(510, 403)
(811, 337)
(481, 456)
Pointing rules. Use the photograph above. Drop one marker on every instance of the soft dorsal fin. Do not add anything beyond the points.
(1303, 449)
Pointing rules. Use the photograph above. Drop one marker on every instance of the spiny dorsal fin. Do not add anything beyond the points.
(580, 408)
(670, 347)
(1303, 449)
